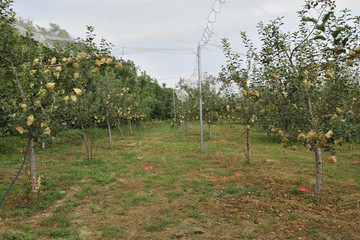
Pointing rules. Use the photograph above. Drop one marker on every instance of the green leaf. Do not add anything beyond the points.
(326, 17)
(337, 31)
(340, 29)
(337, 41)
(309, 19)
(344, 41)
(320, 27)
(335, 34)
(319, 37)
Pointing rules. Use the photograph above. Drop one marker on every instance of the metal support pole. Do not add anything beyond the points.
(200, 103)
(174, 106)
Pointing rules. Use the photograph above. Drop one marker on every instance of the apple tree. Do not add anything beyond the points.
(308, 79)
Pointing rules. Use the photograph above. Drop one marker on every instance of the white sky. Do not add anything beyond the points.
(141, 25)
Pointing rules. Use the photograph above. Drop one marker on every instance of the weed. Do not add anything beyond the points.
(252, 191)
(66, 207)
(194, 213)
(158, 224)
(94, 209)
(125, 208)
(41, 231)
(27, 228)
(295, 206)
(312, 231)
(11, 235)
(2, 213)
(59, 233)
(293, 191)
(112, 232)
(231, 190)
(140, 200)
(249, 236)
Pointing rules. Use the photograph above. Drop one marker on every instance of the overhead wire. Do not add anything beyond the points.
(208, 31)
(137, 50)
(187, 78)
(211, 19)
(218, 45)
(259, 7)
(206, 36)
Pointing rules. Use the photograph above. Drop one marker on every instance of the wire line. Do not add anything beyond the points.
(13, 182)
(211, 19)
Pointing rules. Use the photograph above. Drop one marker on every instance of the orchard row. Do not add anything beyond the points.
(303, 86)
(46, 89)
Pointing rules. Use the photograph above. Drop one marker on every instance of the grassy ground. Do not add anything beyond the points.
(187, 194)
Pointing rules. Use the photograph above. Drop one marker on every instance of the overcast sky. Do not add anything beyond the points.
(138, 27)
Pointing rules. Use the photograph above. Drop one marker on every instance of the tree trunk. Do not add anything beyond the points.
(43, 144)
(85, 140)
(109, 128)
(32, 168)
(318, 185)
(130, 127)
(350, 142)
(121, 132)
(317, 151)
(184, 126)
(210, 135)
(248, 144)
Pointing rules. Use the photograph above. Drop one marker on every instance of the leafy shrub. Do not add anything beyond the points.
(10, 144)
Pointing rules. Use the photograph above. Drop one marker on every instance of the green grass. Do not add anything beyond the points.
(159, 223)
(187, 194)
(12, 235)
(112, 232)
(57, 220)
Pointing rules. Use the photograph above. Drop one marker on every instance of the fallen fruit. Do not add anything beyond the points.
(237, 174)
(148, 168)
(303, 190)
